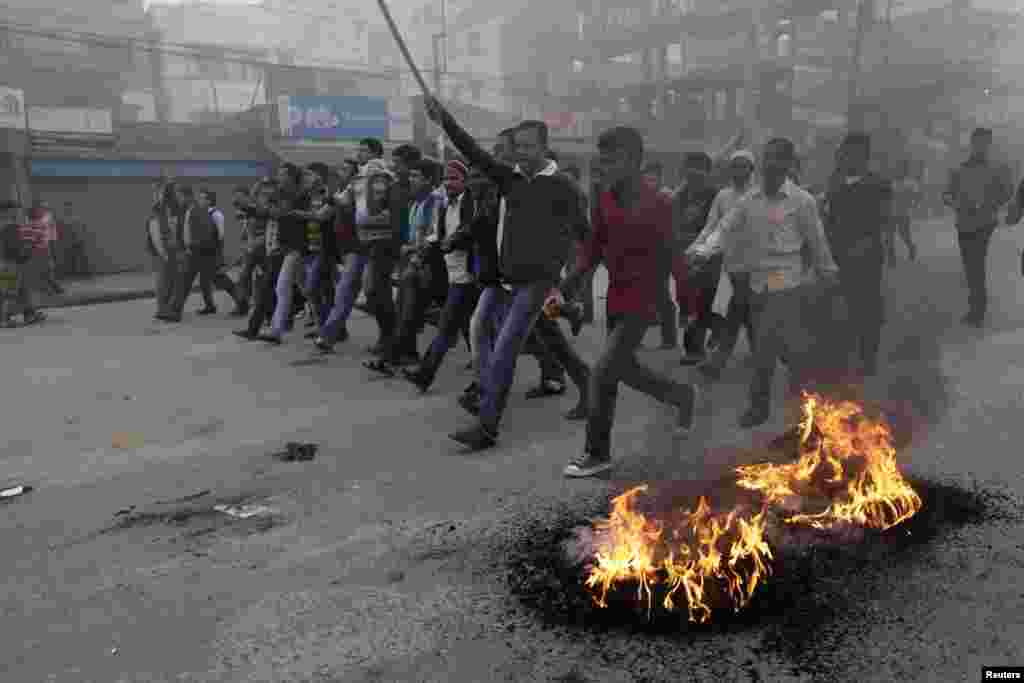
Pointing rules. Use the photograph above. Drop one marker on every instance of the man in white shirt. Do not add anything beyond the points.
(741, 170)
(776, 223)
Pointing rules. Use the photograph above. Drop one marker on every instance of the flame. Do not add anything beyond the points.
(846, 459)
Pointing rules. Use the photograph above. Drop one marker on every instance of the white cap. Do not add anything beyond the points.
(743, 154)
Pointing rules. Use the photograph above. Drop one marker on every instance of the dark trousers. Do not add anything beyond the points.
(974, 256)
(616, 364)
(168, 274)
(458, 308)
(559, 351)
(523, 309)
(861, 281)
(379, 294)
(738, 317)
(668, 315)
(418, 287)
(704, 284)
(265, 292)
(202, 263)
(253, 257)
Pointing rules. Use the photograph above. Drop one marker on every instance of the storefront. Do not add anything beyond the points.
(113, 197)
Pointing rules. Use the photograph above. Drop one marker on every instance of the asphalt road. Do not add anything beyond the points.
(380, 559)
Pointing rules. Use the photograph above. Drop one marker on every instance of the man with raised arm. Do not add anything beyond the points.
(534, 235)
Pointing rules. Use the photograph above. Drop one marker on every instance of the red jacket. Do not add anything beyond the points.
(635, 245)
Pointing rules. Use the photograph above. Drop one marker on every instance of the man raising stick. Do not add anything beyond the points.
(632, 235)
(533, 240)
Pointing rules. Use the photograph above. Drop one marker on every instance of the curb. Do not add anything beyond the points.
(89, 299)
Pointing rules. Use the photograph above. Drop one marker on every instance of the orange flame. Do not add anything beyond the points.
(846, 459)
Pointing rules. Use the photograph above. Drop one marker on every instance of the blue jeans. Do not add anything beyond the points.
(317, 272)
(458, 307)
(499, 366)
(285, 287)
(345, 293)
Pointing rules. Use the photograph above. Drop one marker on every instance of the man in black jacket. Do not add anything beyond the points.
(857, 212)
(201, 244)
(455, 226)
(533, 240)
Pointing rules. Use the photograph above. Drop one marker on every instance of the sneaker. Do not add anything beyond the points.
(312, 334)
(245, 334)
(380, 366)
(754, 417)
(323, 345)
(476, 438)
(687, 411)
(588, 465)
(206, 310)
(417, 378)
(973, 320)
(470, 403)
(270, 339)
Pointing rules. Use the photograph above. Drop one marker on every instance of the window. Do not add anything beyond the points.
(577, 66)
(473, 46)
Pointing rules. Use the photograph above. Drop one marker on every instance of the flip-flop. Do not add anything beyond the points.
(545, 390)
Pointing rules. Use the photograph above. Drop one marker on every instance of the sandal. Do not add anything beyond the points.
(547, 388)
(381, 366)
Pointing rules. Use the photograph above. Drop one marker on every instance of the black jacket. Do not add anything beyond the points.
(856, 216)
(462, 239)
(542, 214)
(485, 232)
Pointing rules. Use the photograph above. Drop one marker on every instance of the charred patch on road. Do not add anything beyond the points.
(191, 518)
(816, 598)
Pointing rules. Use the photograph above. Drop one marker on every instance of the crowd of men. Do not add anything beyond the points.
(497, 246)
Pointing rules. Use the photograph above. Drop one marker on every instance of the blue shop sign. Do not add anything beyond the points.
(333, 118)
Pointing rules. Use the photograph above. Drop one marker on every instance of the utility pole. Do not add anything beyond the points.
(440, 65)
(752, 75)
(865, 15)
(437, 90)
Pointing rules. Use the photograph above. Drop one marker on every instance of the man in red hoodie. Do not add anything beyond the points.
(632, 236)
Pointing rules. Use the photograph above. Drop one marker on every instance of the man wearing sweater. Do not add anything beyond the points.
(741, 167)
(858, 207)
(777, 223)
(632, 236)
(977, 189)
(533, 240)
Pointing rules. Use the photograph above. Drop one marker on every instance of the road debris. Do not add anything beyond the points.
(13, 492)
(127, 440)
(184, 499)
(295, 451)
(245, 511)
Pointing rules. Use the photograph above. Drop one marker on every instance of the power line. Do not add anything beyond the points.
(224, 53)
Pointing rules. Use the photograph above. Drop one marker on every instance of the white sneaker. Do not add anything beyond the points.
(587, 465)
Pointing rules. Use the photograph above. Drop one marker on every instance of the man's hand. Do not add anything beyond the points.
(555, 300)
(434, 109)
(695, 261)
